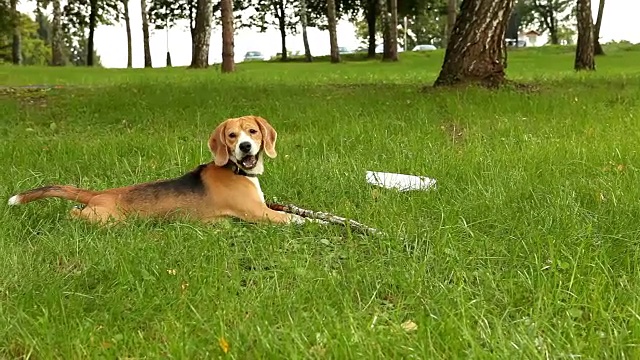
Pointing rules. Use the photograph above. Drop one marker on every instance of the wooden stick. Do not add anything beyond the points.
(324, 217)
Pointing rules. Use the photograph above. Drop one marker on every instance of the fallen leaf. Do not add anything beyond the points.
(224, 345)
(575, 313)
(409, 326)
(620, 167)
(171, 271)
(106, 344)
(375, 194)
(318, 350)
(184, 286)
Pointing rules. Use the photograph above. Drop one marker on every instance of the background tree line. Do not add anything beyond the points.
(475, 48)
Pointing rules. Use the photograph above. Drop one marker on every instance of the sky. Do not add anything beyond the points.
(619, 23)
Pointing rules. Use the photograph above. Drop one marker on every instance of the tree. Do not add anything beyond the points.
(333, 35)
(57, 56)
(548, 14)
(145, 34)
(384, 12)
(16, 49)
(164, 14)
(226, 9)
(78, 51)
(33, 47)
(127, 24)
(452, 11)
(371, 11)
(393, 32)
(303, 22)
(584, 49)
(425, 25)
(278, 13)
(76, 22)
(476, 51)
(93, 22)
(200, 59)
(596, 30)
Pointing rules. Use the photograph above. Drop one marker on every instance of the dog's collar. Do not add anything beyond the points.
(237, 170)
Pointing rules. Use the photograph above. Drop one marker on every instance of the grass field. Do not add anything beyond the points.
(529, 247)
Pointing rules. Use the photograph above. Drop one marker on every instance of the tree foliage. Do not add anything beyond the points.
(5, 16)
(547, 15)
(35, 50)
(426, 22)
(167, 13)
(76, 14)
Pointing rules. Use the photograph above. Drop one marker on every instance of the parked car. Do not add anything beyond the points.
(424, 47)
(254, 56)
(344, 50)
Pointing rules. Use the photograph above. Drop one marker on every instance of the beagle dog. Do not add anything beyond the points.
(228, 186)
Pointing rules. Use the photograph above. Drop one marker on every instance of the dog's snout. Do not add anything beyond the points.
(245, 146)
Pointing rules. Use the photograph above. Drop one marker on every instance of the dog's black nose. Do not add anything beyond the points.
(245, 146)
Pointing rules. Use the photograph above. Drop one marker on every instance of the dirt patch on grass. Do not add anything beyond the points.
(68, 266)
(454, 132)
(31, 97)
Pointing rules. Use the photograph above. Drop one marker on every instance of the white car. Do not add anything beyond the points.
(425, 47)
(254, 56)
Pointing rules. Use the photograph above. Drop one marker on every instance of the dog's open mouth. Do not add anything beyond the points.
(249, 162)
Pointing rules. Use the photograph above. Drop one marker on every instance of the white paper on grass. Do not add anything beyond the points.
(401, 182)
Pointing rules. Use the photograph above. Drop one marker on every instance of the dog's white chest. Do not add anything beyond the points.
(256, 183)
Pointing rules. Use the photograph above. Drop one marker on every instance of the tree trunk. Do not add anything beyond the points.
(93, 20)
(283, 43)
(596, 31)
(168, 60)
(384, 13)
(127, 23)
(476, 51)
(16, 47)
(278, 7)
(226, 13)
(145, 34)
(372, 17)
(584, 49)
(192, 26)
(305, 38)
(56, 35)
(554, 37)
(553, 22)
(393, 31)
(386, 34)
(452, 8)
(202, 34)
(333, 33)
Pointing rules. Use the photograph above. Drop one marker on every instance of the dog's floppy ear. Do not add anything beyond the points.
(269, 136)
(217, 145)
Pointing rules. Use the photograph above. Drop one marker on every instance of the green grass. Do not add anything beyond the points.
(529, 247)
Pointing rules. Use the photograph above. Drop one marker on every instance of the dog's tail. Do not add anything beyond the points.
(60, 191)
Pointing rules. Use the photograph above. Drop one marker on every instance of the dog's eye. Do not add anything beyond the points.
(253, 131)
(232, 135)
